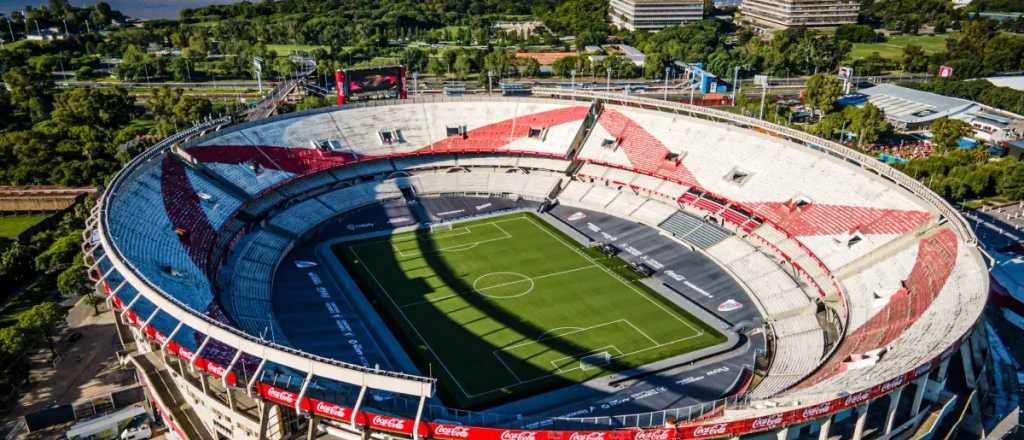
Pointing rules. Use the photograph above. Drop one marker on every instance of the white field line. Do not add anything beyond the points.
(696, 332)
(606, 348)
(509, 283)
(458, 247)
(409, 321)
(497, 355)
(617, 277)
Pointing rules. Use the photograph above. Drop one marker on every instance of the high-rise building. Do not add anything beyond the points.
(782, 14)
(652, 15)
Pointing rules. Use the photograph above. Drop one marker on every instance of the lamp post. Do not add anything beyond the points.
(573, 83)
(735, 83)
(9, 27)
(608, 82)
(665, 94)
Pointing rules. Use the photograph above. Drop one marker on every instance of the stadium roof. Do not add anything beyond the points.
(911, 107)
(1013, 82)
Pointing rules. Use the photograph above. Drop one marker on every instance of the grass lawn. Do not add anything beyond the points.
(893, 49)
(503, 307)
(287, 49)
(11, 226)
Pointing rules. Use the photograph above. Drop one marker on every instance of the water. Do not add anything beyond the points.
(133, 8)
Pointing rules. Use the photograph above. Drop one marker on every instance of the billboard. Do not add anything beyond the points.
(845, 73)
(387, 82)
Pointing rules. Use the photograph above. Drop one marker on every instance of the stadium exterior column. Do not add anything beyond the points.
(976, 349)
(920, 386)
(782, 434)
(968, 364)
(823, 429)
(894, 403)
(264, 415)
(311, 430)
(862, 418)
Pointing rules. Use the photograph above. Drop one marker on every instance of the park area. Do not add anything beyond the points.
(505, 307)
(893, 48)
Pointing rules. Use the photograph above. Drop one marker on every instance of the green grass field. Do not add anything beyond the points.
(504, 307)
(287, 49)
(11, 226)
(893, 48)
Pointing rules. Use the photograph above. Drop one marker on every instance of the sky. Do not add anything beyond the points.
(132, 8)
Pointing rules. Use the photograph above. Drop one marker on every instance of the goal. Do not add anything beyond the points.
(440, 227)
(595, 360)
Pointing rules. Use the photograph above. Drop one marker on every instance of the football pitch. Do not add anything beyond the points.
(504, 307)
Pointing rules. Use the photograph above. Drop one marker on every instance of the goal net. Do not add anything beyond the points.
(440, 227)
(595, 360)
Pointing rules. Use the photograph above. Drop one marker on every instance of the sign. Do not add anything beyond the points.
(761, 80)
(845, 73)
(945, 71)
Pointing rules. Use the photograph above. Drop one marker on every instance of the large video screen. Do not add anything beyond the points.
(383, 80)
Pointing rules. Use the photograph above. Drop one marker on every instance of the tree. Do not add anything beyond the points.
(868, 123)
(946, 133)
(563, 67)
(914, 59)
(196, 49)
(73, 280)
(60, 254)
(497, 61)
(463, 64)
(822, 92)
(413, 59)
(41, 320)
(529, 67)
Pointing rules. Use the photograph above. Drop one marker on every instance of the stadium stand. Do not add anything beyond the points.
(782, 231)
(694, 230)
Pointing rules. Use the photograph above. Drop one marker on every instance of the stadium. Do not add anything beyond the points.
(566, 265)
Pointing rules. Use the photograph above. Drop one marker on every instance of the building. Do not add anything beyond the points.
(771, 15)
(911, 110)
(524, 29)
(653, 15)
(599, 53)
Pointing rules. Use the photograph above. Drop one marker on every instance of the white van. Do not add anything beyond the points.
(140, 432)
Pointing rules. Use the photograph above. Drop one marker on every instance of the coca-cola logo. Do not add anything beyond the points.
(892, 384)
(766, 421)
(816, 411)
(389, 423)
(281, 396)
(709, 430)
(653, 434)
(518, 435)
(452, 431)
(329, 410)
(215, 369)
(854, 399)
(594, 435)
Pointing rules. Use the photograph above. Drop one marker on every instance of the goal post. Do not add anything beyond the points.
(441, 227)
(595, 360)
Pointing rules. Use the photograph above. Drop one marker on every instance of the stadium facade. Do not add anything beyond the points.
(864, 288)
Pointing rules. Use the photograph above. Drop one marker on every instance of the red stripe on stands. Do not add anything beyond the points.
(294, 160)
(494, 136)
(936, 258)
(824, 219)
(645, 151)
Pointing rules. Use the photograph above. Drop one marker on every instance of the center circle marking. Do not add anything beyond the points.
(523, 280)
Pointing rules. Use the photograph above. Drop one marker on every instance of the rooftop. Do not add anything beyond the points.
(912, 106)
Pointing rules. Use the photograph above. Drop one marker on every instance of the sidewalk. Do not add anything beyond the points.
(87, 367)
